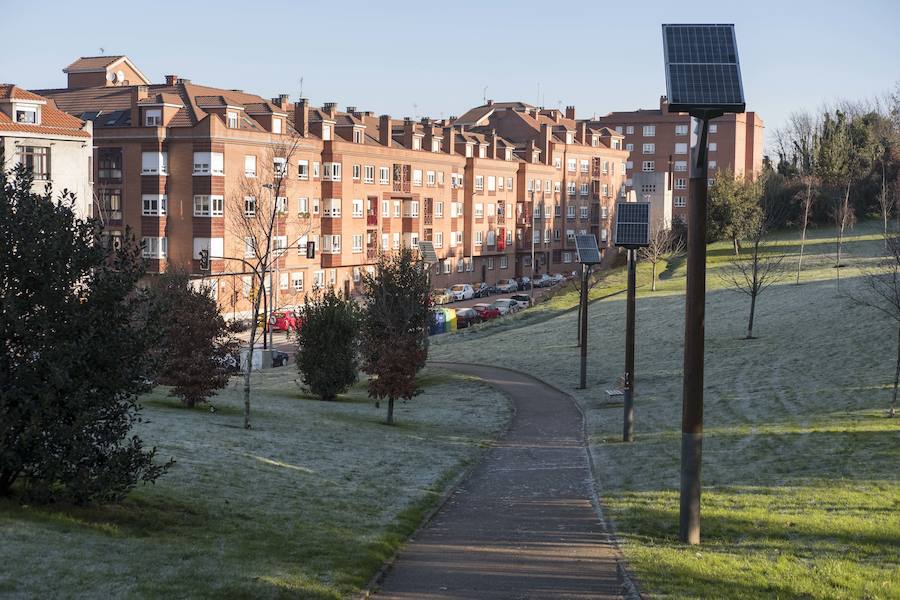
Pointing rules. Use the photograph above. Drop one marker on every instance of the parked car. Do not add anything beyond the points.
(481, 290)
(507, 285)
(466, 317)
(284, 321)
(558, 278)
(486, 311)
(521, 300)
(524, 283)
(505, 305)
(279, 358)
(462, 291)
(441, 296)
(543, 281)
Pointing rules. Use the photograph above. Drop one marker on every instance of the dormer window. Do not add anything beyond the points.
(152, 117)
(417, 142)
(435, 145)
(469, 150)
(509, 154)
(357, 135)
(482, 151)
(326, 133)
(595, 141)
(26, 114)
(232, 120)
(276, 125)
(570, 137)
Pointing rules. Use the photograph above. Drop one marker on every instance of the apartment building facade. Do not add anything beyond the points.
(660, 141)
(53, 144)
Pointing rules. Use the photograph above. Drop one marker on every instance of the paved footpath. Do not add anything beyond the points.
(522, 526)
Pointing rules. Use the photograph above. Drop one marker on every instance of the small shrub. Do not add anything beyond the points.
(327, 344)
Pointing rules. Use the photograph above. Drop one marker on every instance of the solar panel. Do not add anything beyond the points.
(702, 68)
(633, 224)
(586, 247)
(427, 253)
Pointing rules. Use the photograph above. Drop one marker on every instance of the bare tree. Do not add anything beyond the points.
(754, 275)
(882, 292)
(262, 216)
(844, 218)
(886, 203)
(798, 143)
(663, 242)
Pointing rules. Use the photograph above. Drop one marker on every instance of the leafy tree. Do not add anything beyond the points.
(76, 352)
(395, 327)
(733, 208)
(196, 343)
(327, 344)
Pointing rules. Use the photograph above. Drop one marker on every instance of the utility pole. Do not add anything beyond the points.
(583, 325)
(628, 426)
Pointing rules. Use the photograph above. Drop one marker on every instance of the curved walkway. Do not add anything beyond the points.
(523, 525)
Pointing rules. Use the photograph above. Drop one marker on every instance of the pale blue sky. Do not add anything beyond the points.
(416, 58)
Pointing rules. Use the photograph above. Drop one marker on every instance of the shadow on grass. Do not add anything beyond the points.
(207, 407)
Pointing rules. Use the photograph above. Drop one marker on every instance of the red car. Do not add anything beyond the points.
(284, 321)
(486, 311)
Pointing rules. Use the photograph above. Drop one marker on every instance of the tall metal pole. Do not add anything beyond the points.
(583, 326)
(531, 287)
(692, 394)
(628, 426)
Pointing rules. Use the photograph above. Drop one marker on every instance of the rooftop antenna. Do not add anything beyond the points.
(415, 111)
(538, 99)
(484, 95)
(301, 86)
(102, 50)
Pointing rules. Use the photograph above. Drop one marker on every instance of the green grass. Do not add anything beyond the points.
(308, 504)
(801, 495)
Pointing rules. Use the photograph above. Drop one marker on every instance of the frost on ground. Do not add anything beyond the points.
(307, 504)
(800, 463)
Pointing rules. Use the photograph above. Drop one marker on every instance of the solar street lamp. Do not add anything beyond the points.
(632, 232)
(703, 79)
(588, 255)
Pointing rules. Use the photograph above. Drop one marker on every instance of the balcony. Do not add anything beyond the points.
(371, 253)
(401, 186)
(429, 219)
(372, 220)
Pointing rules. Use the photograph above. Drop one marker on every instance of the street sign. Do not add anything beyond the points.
(703, 73)
(632, 224)
(586, 247)
(427, 253)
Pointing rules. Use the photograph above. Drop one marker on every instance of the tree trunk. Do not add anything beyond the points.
(844, 213)
(752, 311)
(754, 289)
(884, 208)
(653, 276)
(390, 415)
(7, 478)
(254, 326)
(893, 410)
(737, 246)
(806, 205)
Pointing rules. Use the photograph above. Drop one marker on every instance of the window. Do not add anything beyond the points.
(499, 183)
(680, 165)
(570, 165)
(249, 206)
(629, 164)
(681, 130)
(385, 208)
(470, 264)
(440, 178)
(570, 188)
(357, 243)
(315, 206)
(397, 208)
(439, 210)
(417, 177)
(492, 183)
(556, 234)
(491, 209)
(357, 135)
(276, 125)
(713, 128)
(37, 159)
(208, 206)
(679, 202)
(395, 241)
(648, 166)
(315, 168)
(629, 129)
(681, 183)
(153, 205)
(584, 212)
(435, 145)
(482, 151)
(279, 166)
(567, 257)
(649, 149)
(111, 203)
(460, 265)
(318, 279)
(152, 117)
(557, 186)
(447, 265)
(357, 208)
(357, 172)
(490, 263)
(154, 247)
(479, 182)
(250, 166)
(154, 163)
(681, 148)
(439, 239)
(26, 114)
(459, 237)
(303, 206)
(279, 244)
(629, 147)
(713, 146)
(213, 246)
(584, 189)
(570, 211)
(232, 120)
(331, 244)
(649, 130)
(331, 171)
(504, 262)
(332, 207)
(297, 281)
(369, 174)
(585, 166)
(429, 178)
(570, 234)
(491, 237)
(479, 210)
(303, 169)
(384, 175)
(281, 205)
(606, 190)
(209, 163)
(385, 240)
(417, 143)
(713, 164)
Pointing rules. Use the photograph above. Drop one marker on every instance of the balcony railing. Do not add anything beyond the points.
(429, 219)
(371, 253)
(372, 220)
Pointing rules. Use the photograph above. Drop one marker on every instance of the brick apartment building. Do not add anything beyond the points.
(659, 141)
(55, 145)
(175, 160)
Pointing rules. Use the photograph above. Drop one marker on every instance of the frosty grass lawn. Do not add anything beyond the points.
(801, 496)
(306, 505)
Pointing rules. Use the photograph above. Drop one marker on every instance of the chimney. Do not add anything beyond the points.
(384, 130)
(449, 139)
(570, 112)
(282, 101)
(351, 110)
(171, 79)
(141, 92)
(544, 146)
(581, 132)
(330, 108)
(490, 102)
(664, 104)
(492, 144)
(408, 129)
(301, 116)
